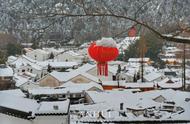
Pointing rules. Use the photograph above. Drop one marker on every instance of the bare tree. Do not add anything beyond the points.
(46, 14)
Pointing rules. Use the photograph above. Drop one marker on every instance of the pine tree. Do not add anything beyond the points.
(49, 69)
(51, 56)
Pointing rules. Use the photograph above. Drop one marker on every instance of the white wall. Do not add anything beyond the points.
(34, 71)
(65, 56)
(51, 120)
(6, 119)
(36, 55)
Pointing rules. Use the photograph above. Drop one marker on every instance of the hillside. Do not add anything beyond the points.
(28, 21)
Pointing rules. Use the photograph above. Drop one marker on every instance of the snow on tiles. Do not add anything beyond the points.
(20, 110)
(156, 105)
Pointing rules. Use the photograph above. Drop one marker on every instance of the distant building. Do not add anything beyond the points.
(70, 56)
(6, 78)
(25, 64)
(153, 76)
(38, 54)
(139, 60)
(26, 45)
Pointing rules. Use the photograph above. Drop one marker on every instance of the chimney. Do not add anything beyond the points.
(55, 107)
(121, 106)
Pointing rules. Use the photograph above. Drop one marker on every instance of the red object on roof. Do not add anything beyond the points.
(102, 53)
(132, 32)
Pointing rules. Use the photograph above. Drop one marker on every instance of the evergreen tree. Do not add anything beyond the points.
(49, 69)
(134, 78)
(2, 57)
(51, 56)
(13, 49)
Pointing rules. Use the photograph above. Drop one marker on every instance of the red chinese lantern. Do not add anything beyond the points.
(132, 32)
(102, 51)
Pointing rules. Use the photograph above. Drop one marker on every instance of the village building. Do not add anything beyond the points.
(139, 60)
(75, 92)
(69, 56)
(38, 54)
(14, 92)
(24, 81)
(25, 64)
(19, 110)
(169, 84)
(152, 106)
(58, 66)
(6, 77)
(153, 76)
(84, 74)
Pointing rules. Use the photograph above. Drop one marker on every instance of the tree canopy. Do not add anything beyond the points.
(13, 49)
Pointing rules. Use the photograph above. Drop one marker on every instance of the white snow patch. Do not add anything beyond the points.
(106, 42)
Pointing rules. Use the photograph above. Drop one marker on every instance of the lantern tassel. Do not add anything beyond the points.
(102, 69)
(98, 68)
(106, 69)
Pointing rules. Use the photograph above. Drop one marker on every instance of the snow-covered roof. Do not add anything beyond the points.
(11, 59)
(39, 51)
(73, 53)
(172, 60)
(170, 54)
(20, 79)
(53, 107)
(138, 59)
(164, 84)
(116, 63)
(113, 83)
(62, 64)
(29, 74)
(82, 86)
(65, 76)
(182, 38)
(152, 76)
(25, 61)
(90, 107)
(140, 85)
(112, 97)
(14, 92)
(138, 101)
(65, 88)
(91, 77)
(32, 106)
(6, 71)
(18, 103)
(46, 91)
(54, 51)
(60, 76)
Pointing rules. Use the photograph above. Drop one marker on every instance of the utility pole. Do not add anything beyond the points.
(143, 50)
(118, 75)
(183, 67)
(142, 68)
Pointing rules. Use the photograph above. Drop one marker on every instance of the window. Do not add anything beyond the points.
(7, 78)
